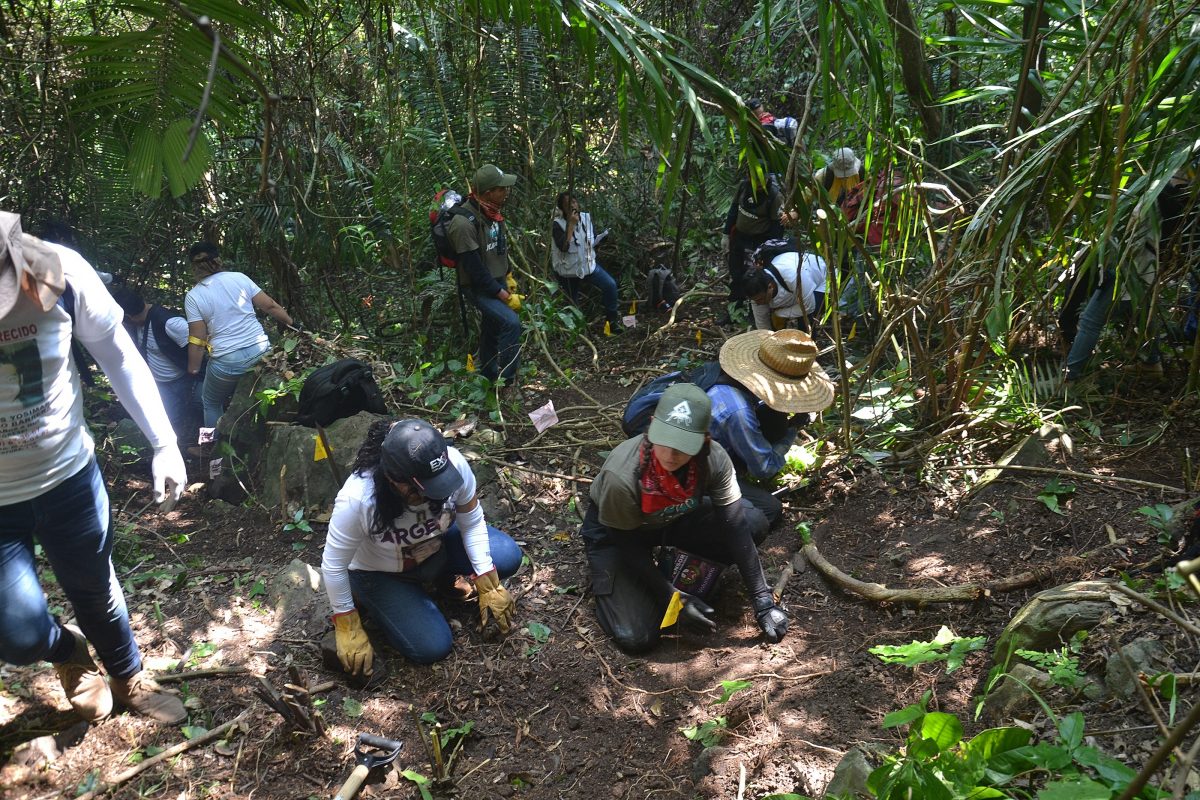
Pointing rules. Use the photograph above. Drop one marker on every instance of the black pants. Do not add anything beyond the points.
(631, 594)
(741, 244)
(770, 506)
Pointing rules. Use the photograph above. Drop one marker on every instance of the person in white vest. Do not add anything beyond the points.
(51, 490)
(573, 256)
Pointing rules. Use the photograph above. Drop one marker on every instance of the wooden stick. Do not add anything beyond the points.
(503, 463)
(172, 677)
(1159, 607)
(1086, 476)
(124, 777)
(794, 564)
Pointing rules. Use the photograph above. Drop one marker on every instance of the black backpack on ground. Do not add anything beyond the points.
(640, 409)
(660, 286)
(156, 320)
(339, 390)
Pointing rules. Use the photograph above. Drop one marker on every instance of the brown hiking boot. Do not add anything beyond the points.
(85, 687)
(142, 695)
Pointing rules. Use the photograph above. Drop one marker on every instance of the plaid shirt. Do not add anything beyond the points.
(735, 426)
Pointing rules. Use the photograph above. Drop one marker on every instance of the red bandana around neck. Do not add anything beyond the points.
(490, 211)
(660, 488)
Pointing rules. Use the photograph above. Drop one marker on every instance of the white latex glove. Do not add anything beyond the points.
(170, 476)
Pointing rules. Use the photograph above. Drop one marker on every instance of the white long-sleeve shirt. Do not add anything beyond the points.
(350, 544)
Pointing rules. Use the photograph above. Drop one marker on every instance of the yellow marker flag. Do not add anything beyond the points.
(853, 331)
(607, 328)
(633, 308)
(470, 363)
(698, 336)
(673, 609)
(319, 452)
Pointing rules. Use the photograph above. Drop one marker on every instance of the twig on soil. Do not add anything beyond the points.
(172, 677)
(124, 777)
(502, 462)
(1159, 607)
(794, 564)
(1086, 476)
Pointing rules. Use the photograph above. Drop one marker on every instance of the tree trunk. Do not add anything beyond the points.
(913, 68)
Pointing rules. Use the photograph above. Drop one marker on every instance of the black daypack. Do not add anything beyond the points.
(661, 288)
(339, 390)
(640, 409)
(156, 320)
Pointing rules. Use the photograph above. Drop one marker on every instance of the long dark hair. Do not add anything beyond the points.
(389, 504)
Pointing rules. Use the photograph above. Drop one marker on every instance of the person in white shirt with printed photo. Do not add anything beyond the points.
(51, 489)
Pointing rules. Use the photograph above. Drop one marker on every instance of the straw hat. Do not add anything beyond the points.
(780, 368)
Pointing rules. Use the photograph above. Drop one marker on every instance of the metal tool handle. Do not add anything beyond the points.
(353, 783)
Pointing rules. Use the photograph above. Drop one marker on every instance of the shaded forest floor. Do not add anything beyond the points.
(557, 711)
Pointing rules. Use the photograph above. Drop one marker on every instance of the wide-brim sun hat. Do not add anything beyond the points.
(780, 368)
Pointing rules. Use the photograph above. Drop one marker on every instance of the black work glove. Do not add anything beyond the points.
(771, 619)
(697, 613)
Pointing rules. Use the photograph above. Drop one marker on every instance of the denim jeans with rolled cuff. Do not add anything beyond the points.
(72, 523)
(1091, 323)
(399, 603)
(604, 282)
(221, 379)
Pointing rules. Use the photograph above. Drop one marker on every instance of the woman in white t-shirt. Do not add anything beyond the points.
(408, 516)
(221, 311)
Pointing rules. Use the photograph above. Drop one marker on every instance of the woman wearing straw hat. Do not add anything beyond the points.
(672, 486)
(773, 383)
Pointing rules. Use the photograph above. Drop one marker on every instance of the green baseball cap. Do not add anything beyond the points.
(681, 418)
(489, 176)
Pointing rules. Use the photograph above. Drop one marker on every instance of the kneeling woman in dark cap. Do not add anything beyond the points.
(674, 487)
(407, 516)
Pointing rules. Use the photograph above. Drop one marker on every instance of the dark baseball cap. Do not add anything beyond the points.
(489, 176)
(414, 450)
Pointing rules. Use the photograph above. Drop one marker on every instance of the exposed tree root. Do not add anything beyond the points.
(964, 593)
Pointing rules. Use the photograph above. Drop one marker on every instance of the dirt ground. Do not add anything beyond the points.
(556, 710)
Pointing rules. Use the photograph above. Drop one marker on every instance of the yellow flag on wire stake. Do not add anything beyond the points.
(607, 328)
(699, 337)
(673, 609)
(470, 363)
(319, 452)
(633, 308)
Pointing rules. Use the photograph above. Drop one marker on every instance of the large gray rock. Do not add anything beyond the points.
(1051, 617)
(298, 593)
(1146, 656)
(308, 483)
(244, 424)
(850, 776)
(1011, 698)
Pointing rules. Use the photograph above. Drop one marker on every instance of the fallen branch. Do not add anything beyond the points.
(1159, 607)
(501, 462)
(964, 593)
(216, 733)
(172, 677)
(1085, 476)
(794, 564)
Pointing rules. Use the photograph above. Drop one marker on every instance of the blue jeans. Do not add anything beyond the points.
(222, 377)
(398, 602)
(1091, 322)
(602, 281)
(73, 525)
(179, 399)
(499, 337)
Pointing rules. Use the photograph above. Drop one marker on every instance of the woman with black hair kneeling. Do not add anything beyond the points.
(407, 516)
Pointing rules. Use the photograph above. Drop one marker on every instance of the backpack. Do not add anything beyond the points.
(446, 204)
(660, 286)
(156, 319)
(640, 409)
(339, 390)
(758, 206)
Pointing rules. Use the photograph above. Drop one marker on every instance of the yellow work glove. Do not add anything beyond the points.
(494, 598)
(510, 282)
(514, 301)
(353, 647)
